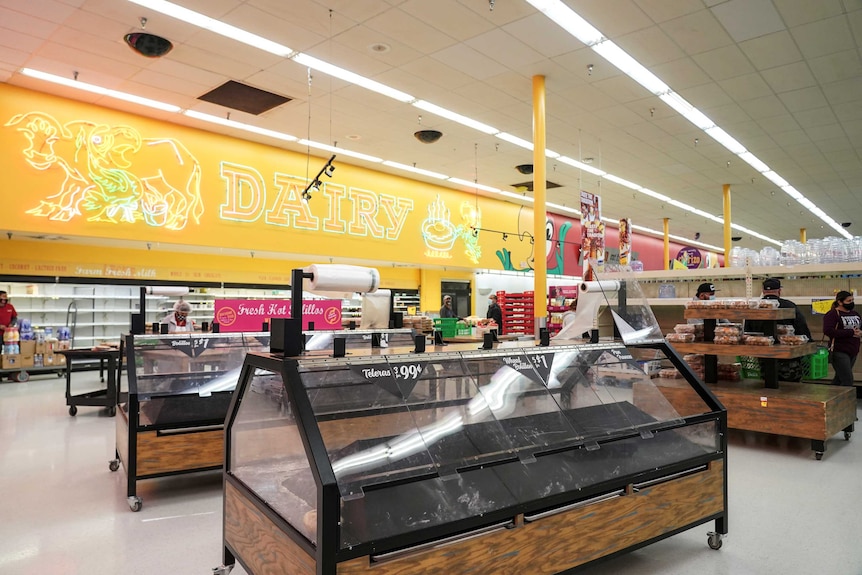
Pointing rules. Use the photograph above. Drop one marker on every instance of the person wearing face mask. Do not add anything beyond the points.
(705, 291)
(495, 312)
(843, 326)
(788, 369)
(178, 320)
(8, 315)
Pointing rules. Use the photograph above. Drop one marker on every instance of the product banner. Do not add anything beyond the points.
(592, 235)
(235, 315)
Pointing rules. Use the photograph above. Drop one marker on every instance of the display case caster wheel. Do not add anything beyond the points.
(61, 374)
(21, 376)
(846, 436)
(222, 570)
(114, 464)
(135, 503)
(73, 411)
(112, 411)
(713, 539)
(818, 455)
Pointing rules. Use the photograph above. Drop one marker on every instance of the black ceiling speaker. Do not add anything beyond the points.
(525, 168)
(148, 45)
(428, 136)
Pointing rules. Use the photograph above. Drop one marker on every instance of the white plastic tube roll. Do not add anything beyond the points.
(173, 291)
(600, 286)
(342, 278)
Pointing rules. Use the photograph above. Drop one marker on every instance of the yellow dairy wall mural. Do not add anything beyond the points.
(82, 170)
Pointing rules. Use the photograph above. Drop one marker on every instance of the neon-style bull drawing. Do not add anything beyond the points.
(111, 173)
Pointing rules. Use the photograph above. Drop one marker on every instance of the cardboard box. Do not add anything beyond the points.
(64, 344)
(41, 347)
(28, 347)
(26, 360)
(10, 361)
(59, 359)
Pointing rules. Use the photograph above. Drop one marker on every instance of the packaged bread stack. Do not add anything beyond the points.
(682, 333)
(730, 371)
(728, 334)
(695, 362)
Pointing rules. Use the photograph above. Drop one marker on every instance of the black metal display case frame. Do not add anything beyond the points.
(252, 523)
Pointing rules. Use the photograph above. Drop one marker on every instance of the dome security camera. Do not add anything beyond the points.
(525, 169)
(148, 45)
(428, 136)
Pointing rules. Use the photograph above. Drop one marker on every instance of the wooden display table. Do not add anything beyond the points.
(811, 411)
(808, 410)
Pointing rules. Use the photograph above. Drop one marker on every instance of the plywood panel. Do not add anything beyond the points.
(554, 544)
(255, 539)
(180, 452)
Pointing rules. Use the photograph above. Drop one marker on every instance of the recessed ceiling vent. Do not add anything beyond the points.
(528, 186)
(244, 98)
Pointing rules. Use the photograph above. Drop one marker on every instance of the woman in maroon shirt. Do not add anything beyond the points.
(843, 325)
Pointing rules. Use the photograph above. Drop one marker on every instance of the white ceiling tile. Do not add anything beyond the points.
(764, 107)
(455, 20)
(650, 46)
(815, 118)
(681, 74)
(613, 17)
(822, 133)
(845, 91)
(539, 32)
(848, 112)
(706, 96)
(361, 39)
(15, 20)
(505, 49)
(779, 124)
(823, 37)
(773, 50)
(662, 10)
(746, 88)
(697, 32)
(804, 99)
(798, 12)
(790, 77)
(837, 67)
(469, 61)
(747, 19)
(411, 31)
(723, 63)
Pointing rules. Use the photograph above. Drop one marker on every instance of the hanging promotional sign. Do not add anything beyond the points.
(690, 257)
(625, 230)
(236, 315)
(592, 235)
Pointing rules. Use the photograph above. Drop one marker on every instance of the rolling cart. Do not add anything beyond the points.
(101, 397)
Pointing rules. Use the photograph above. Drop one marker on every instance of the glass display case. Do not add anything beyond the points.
(180, 386)
(516, 459)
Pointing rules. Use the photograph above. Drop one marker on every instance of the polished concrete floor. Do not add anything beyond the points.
(62, 512)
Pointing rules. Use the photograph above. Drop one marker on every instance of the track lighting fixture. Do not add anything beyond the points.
(315, 184)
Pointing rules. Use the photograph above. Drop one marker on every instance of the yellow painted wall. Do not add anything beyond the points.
(84, 171)
(431, 296)
(38, 258)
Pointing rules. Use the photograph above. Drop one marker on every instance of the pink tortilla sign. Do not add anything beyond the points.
(235, 315)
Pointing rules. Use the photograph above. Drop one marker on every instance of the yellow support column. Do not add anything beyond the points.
(803, 235)
(727, 230)
(540, 262)
(667, 243)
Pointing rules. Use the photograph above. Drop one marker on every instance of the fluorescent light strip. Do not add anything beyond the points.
(337, 150)
(353, 78)
(775, 179)
(754, 162)
(652, 194)
(474, 185)
(415, 170)
(725, 140)
(551, 154)
(216, 26)
(239, 125)
(563, 208)
(581, 165)
(569, 20)
(687, 111)
(517, 196)
(622, 182)
(515, 140)
(455, 117)
(630, 67)
(92, 88)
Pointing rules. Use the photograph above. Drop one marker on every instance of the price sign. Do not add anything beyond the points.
(399, 379)
(183, 344)
(535, 366)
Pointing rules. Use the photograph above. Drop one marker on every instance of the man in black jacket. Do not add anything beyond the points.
(788, 369)
(495, 313)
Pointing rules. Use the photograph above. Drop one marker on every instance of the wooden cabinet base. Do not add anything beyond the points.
(807, 410)
(548, 545)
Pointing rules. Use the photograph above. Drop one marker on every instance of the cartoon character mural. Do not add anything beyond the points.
(517, 253)
(111, 173)
(440, 234)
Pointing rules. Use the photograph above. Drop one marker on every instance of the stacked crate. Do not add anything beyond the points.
(518, 312)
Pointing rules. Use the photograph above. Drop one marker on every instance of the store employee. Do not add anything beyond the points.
(8, 315)
(178, 320)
